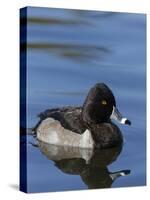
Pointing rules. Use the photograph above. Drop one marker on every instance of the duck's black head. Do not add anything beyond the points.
(100, 106)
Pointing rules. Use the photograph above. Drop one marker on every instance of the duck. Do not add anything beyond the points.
(89, 126)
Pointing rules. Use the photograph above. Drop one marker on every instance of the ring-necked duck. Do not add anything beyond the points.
(86, 127)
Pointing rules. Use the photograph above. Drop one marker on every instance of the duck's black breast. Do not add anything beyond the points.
(106, 135)
(69, 117)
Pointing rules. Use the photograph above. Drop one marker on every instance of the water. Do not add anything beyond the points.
(68, 52)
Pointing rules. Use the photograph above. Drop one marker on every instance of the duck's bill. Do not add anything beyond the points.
(116, 115)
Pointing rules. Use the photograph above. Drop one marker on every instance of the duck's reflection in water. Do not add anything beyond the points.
(90, 164)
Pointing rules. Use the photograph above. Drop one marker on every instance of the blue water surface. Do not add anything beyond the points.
(68, 52)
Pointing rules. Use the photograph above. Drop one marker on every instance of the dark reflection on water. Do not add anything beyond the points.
(68, 51)
(90, 165)
(55, 21)
(73, 51)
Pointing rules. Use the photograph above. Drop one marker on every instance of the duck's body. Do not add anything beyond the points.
(85, 127)
(65, 127)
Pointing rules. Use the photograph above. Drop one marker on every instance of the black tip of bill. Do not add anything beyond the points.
(128, 122)
(127, 171)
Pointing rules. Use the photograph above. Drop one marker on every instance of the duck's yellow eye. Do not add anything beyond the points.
(104, 102)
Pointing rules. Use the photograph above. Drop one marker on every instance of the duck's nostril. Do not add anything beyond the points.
(128, 122)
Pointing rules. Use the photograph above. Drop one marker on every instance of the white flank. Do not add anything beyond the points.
(51, 131)
(86, 140)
